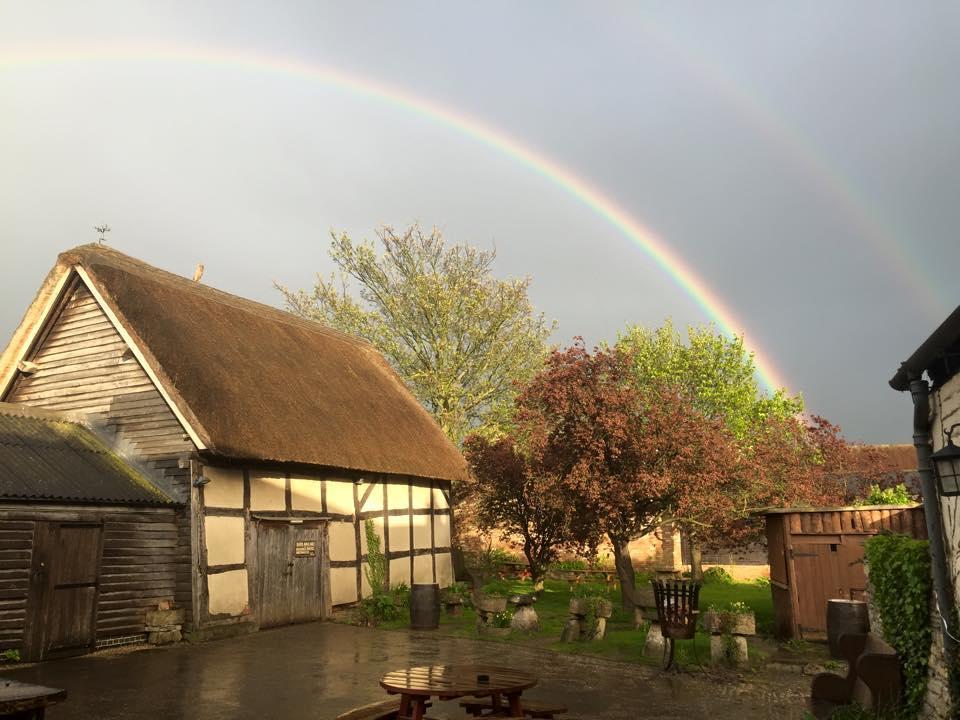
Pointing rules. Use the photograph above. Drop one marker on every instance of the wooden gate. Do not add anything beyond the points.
(64, 584)
(290, 572)
(816, 555)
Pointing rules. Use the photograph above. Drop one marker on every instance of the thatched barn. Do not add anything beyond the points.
(279, 436)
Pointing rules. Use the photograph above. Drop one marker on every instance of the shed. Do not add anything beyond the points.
(87, 540)
(816, 554)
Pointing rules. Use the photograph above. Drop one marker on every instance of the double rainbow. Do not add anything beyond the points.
(578, 187)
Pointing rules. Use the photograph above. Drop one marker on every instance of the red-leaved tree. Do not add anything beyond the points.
(509, 492)
(625, 456)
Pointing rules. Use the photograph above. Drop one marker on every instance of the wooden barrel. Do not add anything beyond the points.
(425, 606)
(845, 616)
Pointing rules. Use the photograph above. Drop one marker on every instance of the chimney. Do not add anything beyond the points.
(198, 273)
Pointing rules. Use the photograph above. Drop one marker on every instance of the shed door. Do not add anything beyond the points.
(826, 571)
(289, 568)
(64, 583)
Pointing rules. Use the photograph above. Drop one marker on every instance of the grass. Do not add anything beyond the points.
(622, 641)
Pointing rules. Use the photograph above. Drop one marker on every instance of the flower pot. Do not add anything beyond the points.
(604, 608)
(489, 604)
(740, 623)
(712, 622)
(491, 631)
(453, 605)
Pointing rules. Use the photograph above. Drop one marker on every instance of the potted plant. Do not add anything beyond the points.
(498, 624)
(739, 619)
(736, 618)
(492, 597)
(453, 598)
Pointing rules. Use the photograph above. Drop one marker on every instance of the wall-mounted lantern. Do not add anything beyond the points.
(946, 461)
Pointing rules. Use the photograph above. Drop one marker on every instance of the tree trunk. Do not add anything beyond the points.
(696, 560)
(625, 573)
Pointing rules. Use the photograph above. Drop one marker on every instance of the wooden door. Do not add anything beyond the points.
(64, 585)
(289, 568)
(814, 579)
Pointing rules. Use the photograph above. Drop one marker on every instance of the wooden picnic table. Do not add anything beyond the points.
(416, 685)
(27, 702)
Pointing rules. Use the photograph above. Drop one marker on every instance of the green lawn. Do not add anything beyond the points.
(622, 641)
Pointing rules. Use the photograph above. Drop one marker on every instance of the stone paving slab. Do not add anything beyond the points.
(319, 670)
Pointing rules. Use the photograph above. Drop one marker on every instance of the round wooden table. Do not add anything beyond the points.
(416, 685)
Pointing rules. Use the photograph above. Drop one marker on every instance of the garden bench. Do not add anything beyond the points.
(387, 709)
(480, 707)
(873, 674)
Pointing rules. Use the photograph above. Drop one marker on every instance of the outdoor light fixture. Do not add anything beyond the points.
(947, 462)
(201, 481)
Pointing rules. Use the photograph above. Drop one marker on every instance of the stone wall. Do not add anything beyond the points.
(937, 703)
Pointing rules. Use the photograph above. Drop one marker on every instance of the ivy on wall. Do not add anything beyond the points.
(900, 576)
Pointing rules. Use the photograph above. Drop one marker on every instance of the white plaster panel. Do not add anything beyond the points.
(227, 592)
(399, 533)
(421, 531)
(398, 496)
(421, 497)
(441, 532)
(306, 494)
(375, 499)
(343, 585)
(399, 571)
(343, 542)
(439, 501)
(225, 542)
(423, 569)
(225, 488)
(340, 497)
(444, 570)
(267, 492)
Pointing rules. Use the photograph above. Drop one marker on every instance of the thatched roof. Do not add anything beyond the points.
(255, 382)
(46, 457)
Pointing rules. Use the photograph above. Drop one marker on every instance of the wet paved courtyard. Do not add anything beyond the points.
(320, 670)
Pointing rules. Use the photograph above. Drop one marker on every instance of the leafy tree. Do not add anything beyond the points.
(510, 493)
(625, 456)
(714, 371)
(717, 375)
(459, 337)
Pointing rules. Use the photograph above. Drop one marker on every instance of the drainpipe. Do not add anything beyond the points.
(920, 392)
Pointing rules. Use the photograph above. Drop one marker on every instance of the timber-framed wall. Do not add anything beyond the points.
(411, 516)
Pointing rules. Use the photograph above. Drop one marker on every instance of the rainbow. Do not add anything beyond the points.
(647, 240)
(806, 157)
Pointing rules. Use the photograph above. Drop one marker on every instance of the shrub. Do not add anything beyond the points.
(717, 575)
(570, 565)
(501, 619)
(376, 569)
(591, 590)
(899, 569)
(11, 655)
(895, 495)
(498, 588)
(762, 581)
(496, 556)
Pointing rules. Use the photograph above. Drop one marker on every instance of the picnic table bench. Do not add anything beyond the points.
(531, 708)
(25, 701)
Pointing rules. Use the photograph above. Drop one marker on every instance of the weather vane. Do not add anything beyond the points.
(103, 230)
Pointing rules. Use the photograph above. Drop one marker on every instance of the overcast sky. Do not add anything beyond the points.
(802, 158)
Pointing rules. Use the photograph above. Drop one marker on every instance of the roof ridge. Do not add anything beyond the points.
(129, 263)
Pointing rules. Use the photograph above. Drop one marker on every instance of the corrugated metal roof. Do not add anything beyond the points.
(50, 458)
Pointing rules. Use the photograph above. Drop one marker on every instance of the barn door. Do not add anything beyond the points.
(64, 583)
(289, 567)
